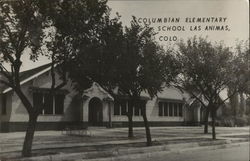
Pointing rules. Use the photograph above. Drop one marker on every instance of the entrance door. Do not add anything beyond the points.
(95, 112)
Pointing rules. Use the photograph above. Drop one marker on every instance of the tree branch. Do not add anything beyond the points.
(6, 83)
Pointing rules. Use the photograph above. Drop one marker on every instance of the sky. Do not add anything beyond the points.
(234, 12)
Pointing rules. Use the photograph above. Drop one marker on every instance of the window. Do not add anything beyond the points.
(48, 104)
(124, 107)
(4, 104)
(52, 104)
(121, 107)
(180, 109)
(175, 109)
(160, 108)
(170, 109)
(38, 100)
(116, 108)
(59, 103)
(165, 109)
(138, 109)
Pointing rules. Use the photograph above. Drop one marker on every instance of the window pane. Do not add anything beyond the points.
(136, 111)
(116, 108)
(143, 106)
(139, 105)
(180, 109)
(59, 104)
(170, 109)
(4, 104)
(124, 107)
(166, 109)
(48, 104)
(130, 106)
(38, 100)
(160, 108)
(175, 109)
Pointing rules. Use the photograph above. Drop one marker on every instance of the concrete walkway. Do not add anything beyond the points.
(102, 142)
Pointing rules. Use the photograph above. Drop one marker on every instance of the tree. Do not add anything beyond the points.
(79, 27)
(26, 26)
(141, 68)
(206, 71)
(21, 30)
(131, 61)
(242, 62)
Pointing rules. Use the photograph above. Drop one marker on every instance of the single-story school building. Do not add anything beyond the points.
(93, 107)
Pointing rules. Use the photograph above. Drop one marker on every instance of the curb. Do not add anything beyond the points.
(157, 153)
(120, 153)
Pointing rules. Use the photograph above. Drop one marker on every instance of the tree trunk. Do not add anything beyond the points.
(213, 124)
(234, 102)
(130, 126)
(27, 145)
(148, 134)
(130, 120)
(242, 104)
(206, 121)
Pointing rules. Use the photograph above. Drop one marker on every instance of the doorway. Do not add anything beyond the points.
(95, 112)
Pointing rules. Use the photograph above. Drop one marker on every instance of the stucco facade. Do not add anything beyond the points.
(93, 107)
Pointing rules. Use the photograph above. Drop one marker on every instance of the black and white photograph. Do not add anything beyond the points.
(124, 80)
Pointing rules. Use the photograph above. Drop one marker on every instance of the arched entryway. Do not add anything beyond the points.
(95, 112)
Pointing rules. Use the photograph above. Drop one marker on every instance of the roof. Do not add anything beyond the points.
(96, 86)
(28, 75)
(121, 94)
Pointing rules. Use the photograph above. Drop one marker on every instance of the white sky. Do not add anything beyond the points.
(236, 11)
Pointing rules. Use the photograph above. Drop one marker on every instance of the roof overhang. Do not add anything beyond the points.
(28, 79)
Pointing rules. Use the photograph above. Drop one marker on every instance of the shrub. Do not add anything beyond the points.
(226, 121)
(232, 121)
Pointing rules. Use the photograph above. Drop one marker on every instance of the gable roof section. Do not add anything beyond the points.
(28, 75)
(95, 86)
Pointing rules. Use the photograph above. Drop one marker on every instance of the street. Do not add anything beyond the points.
(236, 153)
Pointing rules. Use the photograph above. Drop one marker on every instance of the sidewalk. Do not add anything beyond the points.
(114, 142)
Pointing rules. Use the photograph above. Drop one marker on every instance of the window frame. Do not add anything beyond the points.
(120, 104)
(170, 108)
(52, 98)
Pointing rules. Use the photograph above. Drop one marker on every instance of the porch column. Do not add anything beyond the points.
(197, 115)
(110, 113)
(108, 101)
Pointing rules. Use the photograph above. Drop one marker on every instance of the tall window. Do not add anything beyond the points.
(161, 108)
(59, 103)
(117, 108)
(124, 107)
(52, 104)
(121, 107)
(4, 104)
(170, 108)
(180, 109)
(175, 109)
(166, 109)
(48, 104)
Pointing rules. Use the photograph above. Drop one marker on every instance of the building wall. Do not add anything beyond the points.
(76, 108)
(18, 116)
(189, 115)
